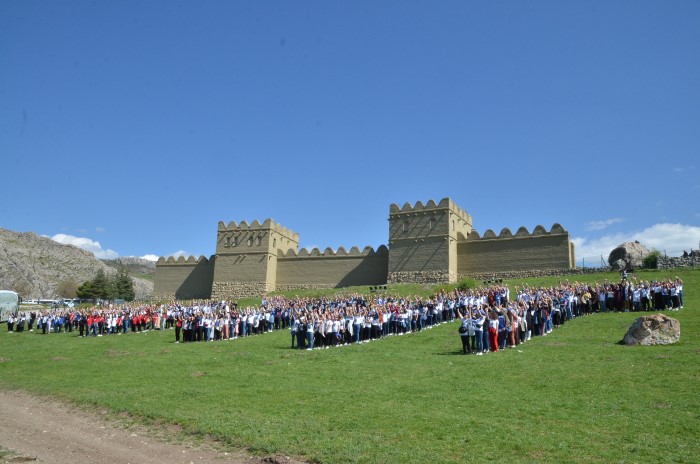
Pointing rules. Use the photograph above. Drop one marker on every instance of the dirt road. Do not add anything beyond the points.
(44, 430)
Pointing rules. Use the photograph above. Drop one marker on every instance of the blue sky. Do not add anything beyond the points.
(132, 128)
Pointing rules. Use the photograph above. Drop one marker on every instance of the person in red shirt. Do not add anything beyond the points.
(178, 328)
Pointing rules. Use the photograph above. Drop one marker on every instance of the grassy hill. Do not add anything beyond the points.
(576, 395)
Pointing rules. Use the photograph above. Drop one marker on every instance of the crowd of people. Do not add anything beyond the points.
(488, 326)
(490, 318)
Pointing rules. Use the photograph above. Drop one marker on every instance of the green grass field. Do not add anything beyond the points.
(576, 395)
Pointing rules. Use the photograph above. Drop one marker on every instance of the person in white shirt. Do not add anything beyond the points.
(637, 298)
(310, 334)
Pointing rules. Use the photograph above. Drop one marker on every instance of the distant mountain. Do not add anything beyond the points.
(137, 267)
(36, 266)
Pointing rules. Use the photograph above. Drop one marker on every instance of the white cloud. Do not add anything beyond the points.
(672, 238)
(100, 229)
(600, 225)
(177, 254)
(678, 169)
(86, 244)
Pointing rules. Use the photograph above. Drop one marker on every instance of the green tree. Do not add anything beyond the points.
(101, 286)
(108, 288)
(124, 286)
(85, 291)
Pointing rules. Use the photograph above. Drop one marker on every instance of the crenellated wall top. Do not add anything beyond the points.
(189, 261)
(328, 252)
(268, 224)
(522, 232)
(419, 207)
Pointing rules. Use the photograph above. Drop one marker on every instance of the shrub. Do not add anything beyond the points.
(466, 283)
(651, 261)
(442, 288)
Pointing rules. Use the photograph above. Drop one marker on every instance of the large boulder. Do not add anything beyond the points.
(632, 253)
(657, 329)
(619, 265)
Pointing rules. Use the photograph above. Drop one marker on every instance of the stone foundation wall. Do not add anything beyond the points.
(288, 288)
(534, 273)
(671, 263)
(235, 290)
(421, 277)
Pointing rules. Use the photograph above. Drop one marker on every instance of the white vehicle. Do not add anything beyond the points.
(9, 304)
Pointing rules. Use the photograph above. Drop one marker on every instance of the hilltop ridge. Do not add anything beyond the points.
(38, 265)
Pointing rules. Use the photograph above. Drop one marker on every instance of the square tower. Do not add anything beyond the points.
(246, 257)
(423, 241)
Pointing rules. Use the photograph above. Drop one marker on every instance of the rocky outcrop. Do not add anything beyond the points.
(668, 262)
(38, 265)
(630, 253)
(657, 329)
(135, 261)
(134, 266)
(619, 265)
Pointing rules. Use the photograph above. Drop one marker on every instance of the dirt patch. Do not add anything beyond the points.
(4, 360)
(173, 429)
(198, 374)
(37, 429)
(273, 460)
(59, 358)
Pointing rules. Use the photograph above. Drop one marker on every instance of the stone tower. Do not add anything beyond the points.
(423, 241)
(246, 257)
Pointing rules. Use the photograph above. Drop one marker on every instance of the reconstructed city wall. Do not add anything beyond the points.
(523, 251)
(420, 261)
(331, 269)
(428, 243)
(247, 257)
(238, 276)
(182, 278)
(423, 241)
